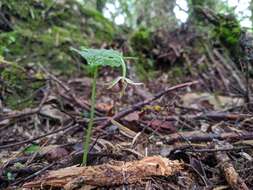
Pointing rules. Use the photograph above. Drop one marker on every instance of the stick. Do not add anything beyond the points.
(197, 136)
(232, 177)
(39, 137)
(143, 103)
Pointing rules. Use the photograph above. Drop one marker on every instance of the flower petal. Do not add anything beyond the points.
(114, 82)
(132, 82)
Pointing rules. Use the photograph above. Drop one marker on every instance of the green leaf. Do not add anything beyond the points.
(32, 149)
(101, 57)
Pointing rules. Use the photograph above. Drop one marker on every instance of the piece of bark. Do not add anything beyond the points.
(198, 136)
(115, 173)
(232, 177)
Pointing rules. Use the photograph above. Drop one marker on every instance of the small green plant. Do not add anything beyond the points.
(97, 58)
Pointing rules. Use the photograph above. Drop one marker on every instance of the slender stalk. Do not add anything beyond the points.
(90, 125)
(124, 70)
(123, 65)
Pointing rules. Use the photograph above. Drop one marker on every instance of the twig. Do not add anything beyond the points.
(145, 102)
(39, 137)
(215, 66)
(198, 173)
(219, 149)
(229, 65)
(197, 136)
(8, 24)
(34, 174)
(66, 88)
(211, 116)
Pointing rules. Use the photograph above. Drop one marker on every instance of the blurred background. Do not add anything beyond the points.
(185, 39)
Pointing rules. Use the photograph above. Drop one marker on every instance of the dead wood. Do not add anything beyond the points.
(197, 136)
(229, 65)
(222, 116)
(232, 177)
(207, 116)
(115, 173)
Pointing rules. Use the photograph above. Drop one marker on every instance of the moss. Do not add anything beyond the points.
(18, 91)
(7, 39)
(141, 40)
(144, 67)
(44, 31)
(104, 29)
(229, 33)
(177, 72)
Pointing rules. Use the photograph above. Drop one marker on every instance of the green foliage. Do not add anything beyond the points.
(10, 176)
(214, 5)
(141, 42)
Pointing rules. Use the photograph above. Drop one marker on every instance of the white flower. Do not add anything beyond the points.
(124, 81)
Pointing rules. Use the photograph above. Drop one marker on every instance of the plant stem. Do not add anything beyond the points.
(123, 68)
(90, 125)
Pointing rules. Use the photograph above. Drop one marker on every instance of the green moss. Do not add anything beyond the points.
(177, 72)
(7, 39)
(103, 27)
(14, 75)
(141, 40)
(44, 31)
(228, 31)
(18, 90)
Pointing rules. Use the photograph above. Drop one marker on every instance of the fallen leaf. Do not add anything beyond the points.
(132, 116)
(207, 100)
(52, 112)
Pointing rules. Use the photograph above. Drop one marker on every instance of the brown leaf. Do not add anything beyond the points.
(160, 125)
(56, 154)
(132, 116)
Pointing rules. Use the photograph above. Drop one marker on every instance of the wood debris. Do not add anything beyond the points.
(232, 177)
(115, 173)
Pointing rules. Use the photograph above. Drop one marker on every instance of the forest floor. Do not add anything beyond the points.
(184, 138)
